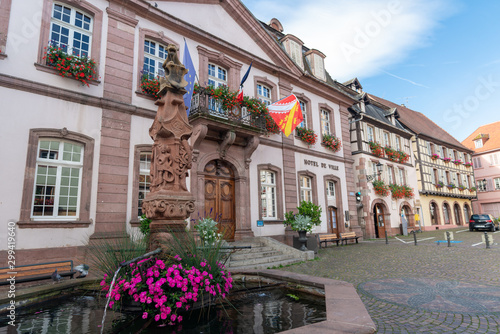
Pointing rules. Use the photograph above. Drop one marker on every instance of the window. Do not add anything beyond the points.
(371, 136)
(330, 189)
(497, 183)
(217, 76)
(144, 178)
(466, 212)
(448, 180)
(434, 176)
(387, 141)
(305, 189)
(390, 171)
(325, 122)
(434, 213)
(401, 176)
(296, 52)
(304, 114)
(477, 162)
(264, 94)
(494, 159)
(58, 179)
(71, 30)
(430, 148)
(478, 143)
(268, 194)
(481, 185)
(154, 56)
(398, 143)
(465, 181)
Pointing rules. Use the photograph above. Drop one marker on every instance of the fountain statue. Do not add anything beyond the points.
(169, 202)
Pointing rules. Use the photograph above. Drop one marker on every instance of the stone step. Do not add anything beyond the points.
(256, 253)
(253, 250)
(260, 260)
(265, 265)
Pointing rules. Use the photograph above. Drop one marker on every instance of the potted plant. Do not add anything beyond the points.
(307, 135)
(467, 164)
(461, 187)
(331, 142)
(435, 156)
(380, 188)
(472, 189)
(451, 186)
(408, 192)
(150, 86)
(457, 162)
(376, 149)
(446, 159)
(397, 191)
(308, 216)
(403, 157)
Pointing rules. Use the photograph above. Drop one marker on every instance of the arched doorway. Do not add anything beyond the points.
(458, 216)
(434, 213)
(406, 214)
(379, 220)
(332, 220)
(219, 196)
(446, 214)
(467, 213)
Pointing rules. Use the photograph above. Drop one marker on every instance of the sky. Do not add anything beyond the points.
(438, 57)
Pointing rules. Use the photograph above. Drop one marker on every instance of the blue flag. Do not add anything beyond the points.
(190, 76)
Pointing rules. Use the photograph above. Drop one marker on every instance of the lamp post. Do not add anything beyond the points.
(373, 176)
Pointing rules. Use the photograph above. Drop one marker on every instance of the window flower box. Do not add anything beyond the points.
(408, 192)
(391, 153)
(468, 164)
(376, 149)
(435, 156)
(446, 160)
(397, 191)
(307, 135)
(150, 86)
(70, 66)
(380, 188)
(403, 157)
(472, 189)
(451, 186)
(331, 142)
(440, 184)
(461, 187)
(457, 162)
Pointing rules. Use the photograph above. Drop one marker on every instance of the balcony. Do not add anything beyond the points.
(208, 110)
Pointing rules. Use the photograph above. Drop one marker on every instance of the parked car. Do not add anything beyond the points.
(483, 221)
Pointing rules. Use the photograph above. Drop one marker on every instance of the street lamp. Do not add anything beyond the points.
(373, 176)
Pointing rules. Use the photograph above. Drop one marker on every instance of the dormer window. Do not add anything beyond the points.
(478, 143)
(316, 60)
(293, 46)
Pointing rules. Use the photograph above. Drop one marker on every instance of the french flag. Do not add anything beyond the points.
(239, 97)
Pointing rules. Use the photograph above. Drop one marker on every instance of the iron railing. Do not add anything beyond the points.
(203, 104)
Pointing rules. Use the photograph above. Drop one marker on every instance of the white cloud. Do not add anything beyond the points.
(361, 37)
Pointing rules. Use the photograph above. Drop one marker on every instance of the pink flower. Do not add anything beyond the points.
(179, 318)
(117, 296)
(144, 315)
(157, 317)
(203, 264)
(178, 304)
(172, 317)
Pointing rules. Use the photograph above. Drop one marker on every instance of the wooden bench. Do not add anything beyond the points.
(325, 238)
(35, 272)
(346, 236)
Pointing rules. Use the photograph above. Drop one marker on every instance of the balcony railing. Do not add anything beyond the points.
(203, 104)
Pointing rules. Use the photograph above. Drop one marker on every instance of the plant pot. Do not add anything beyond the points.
(303, 240)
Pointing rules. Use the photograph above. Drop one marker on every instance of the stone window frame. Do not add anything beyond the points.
(83, 220)
(95, 49)
(155, 36)
(450, 213)
(138, 149)
(338, 196)
(436, 212)
(279, 191)
(314, 185)
(307, 101)
(264, 81)
(5, 7)
(233, 68)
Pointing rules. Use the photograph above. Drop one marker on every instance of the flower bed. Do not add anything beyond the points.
(376, 149)
(71, 66)
(380, 188)
(331, 142)
(307, 135)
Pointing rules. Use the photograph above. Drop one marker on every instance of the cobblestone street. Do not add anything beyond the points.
(428, 288)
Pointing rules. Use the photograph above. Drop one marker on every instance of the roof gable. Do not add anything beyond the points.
(489, 133)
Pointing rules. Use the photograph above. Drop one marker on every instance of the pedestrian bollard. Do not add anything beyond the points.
(415, 237)
(486, 240)
(386, 240)
(448, 238)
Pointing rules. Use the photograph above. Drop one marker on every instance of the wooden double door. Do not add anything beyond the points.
(220, 196)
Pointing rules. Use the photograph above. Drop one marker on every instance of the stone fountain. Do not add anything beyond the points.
(169, 203)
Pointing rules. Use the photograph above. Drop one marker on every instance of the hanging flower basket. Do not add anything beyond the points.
(376, 149)
(331, 142)
(307, 135)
